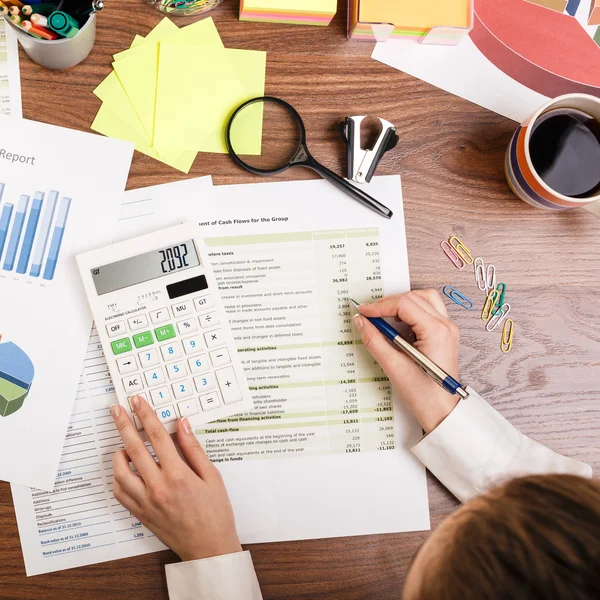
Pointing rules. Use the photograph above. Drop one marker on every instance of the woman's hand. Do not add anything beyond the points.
(437, 338)
(187, 507)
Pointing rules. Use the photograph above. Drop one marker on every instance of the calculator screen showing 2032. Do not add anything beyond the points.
(145, 267)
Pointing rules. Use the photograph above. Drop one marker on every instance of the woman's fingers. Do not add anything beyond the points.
(433, 298)
(194, 452)
(126, 478)
(123, 498)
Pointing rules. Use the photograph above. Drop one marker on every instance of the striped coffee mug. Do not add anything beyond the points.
(522, 176)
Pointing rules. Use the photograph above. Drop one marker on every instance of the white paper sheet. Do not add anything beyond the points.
(60, 195)
(80, 522)
(10, 79)
(321, 481)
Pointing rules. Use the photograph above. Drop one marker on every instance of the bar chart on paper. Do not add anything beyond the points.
(31, 233)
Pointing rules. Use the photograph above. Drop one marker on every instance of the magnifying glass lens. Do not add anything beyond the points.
(281, 135)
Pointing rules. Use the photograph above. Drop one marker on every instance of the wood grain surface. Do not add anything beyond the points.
(450, 156)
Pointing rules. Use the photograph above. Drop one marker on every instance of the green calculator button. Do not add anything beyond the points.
(165, 333)
(143, 339)
(121, 346)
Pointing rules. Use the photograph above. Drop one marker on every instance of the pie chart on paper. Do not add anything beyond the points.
(548, 51)
(16, 377)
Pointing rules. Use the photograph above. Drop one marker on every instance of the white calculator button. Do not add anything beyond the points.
(228, 385)
(115, 329)
(209, 319)
(177, 370)
(149, 358)
(166, 414)
(188, 408)
(182, 389)
(193, 344)
(160, 396)
(138, 322)
(171, 351)
(133, 384)
(142, 394)
(160, 315)
(198, 364)
(210, 401)
(203, 303)
(126, 365)
(138, 423)
(182, 309)
(220, 357)
(214, 338)
(204, 382)
(187, 326)
(155, 377)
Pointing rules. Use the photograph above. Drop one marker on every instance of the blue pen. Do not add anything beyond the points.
(436, 373)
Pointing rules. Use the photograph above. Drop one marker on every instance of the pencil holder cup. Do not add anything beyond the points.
(183, 7)
(59, 54)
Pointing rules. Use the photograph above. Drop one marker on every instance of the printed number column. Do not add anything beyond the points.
(339, 369)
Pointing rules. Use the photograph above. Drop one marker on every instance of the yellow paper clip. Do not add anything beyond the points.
(461, 250)
(488, 307)
(508, 332)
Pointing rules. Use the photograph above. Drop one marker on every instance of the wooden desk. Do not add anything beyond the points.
(451, 157)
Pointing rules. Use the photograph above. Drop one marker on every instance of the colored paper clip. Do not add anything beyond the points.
(498, 318)
(508, 332)
(480, 279)
(457, 297)
(461, 250)
(490, 278)
(449, 251)
(501, 289)
(490, 302)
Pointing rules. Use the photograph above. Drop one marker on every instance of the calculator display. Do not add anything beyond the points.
(145, 267)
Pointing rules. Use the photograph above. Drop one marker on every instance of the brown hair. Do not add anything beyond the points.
(533, 538)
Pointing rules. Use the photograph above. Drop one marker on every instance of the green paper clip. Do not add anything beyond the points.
(500, 301)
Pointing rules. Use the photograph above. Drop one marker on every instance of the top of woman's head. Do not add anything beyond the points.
(532, 538)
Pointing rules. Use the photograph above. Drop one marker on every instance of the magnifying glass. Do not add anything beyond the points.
(283, 146)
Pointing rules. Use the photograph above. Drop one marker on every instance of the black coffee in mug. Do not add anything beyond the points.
(565, 152)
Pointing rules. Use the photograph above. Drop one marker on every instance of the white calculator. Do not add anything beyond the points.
(163, 327)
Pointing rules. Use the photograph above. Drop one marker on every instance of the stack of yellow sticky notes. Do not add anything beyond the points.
(173, 91)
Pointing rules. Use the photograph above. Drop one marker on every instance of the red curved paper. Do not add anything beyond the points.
(547, 51)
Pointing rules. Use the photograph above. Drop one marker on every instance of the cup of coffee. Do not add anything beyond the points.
(553, 160)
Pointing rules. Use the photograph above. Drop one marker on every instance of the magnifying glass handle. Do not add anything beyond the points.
(351, 190)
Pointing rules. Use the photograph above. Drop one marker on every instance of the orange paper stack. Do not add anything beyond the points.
(295, 12)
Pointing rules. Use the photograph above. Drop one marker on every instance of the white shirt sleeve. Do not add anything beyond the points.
(475, 448)
(226, 577)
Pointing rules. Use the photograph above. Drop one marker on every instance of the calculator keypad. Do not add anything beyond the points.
(177, 358)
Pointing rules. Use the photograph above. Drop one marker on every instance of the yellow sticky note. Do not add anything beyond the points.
(201, 33)
(421, 14)
(301, 6)
(195, 96)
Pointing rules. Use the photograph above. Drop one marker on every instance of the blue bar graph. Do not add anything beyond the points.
(5, 216)
(44, 234)
(32, 224)
(15, 234)
(57, 236)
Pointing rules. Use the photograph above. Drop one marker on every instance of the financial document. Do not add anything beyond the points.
(10, 80)
(325, 452)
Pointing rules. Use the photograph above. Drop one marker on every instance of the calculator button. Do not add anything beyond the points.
(182, 309)
(149, 358)
(208, 319)
(204, 383)
(203, 303)
(143, 339)
(115, 329)
(188, 408)
(198, 364)
(214, 338)
(193, 344)
(166, 414)
(210, 401)
(138, 423)
(176, 370)
(155, 377)
(187, 326)
(132, 384)
(160, 315)
(142, 394)
(160, 396)
(220, 357)
(126, 365)
(228, 385)
(121, 346)
(138, 322)
(165, 333)
(182, 389)
(171, 351)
